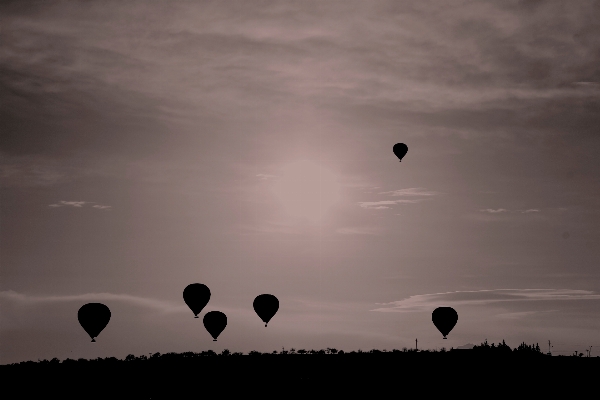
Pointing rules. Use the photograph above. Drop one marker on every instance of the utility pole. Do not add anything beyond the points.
(549, 347)
(416, 347)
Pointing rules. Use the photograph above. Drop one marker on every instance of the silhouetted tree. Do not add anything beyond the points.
(493, 349)
(525, 349)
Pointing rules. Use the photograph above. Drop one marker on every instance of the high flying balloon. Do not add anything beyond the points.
(215, 322)
(444, 318)
(400, 150)
(196, 296)
(93, 318)
(266, 305)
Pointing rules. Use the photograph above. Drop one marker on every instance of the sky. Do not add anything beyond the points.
(247, 146)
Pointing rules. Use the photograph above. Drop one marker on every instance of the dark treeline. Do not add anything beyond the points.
(483, 349)
(178, 375)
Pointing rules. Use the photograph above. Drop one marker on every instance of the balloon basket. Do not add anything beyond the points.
(196, 316)
(214, 340)
(93, 340)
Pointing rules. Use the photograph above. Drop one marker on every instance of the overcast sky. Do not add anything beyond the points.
(247, 146)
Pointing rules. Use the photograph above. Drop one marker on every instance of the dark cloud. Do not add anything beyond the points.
(427, 302)
(90, 88)
(61, 119)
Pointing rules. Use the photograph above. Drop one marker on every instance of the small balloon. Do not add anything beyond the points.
(93, 318)
(400, 150)
(196, 296)
(444, 318)
(215, 322)
(266, 305)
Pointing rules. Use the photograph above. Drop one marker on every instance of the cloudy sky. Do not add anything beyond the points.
(248, 146)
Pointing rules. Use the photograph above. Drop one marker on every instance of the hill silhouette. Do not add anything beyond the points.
(306, 371)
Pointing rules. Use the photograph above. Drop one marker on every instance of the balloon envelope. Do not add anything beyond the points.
(215, 322)
(444, 318)
(400, 150)
(93, 318)
(196, 296)
(266, 305)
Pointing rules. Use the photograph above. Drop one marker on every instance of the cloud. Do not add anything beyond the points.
(22, 171)
(506, 215)
(428, 302)
(156, 305)
(492, 211)
(379, 205)
(79, 204)
(494, 214)
(410, 192)
(588, 84)
(503, 210)
(264, 177)
(102, 207)
(522, 314)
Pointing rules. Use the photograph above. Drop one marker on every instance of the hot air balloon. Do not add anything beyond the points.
(400, 150)
(215, 322)
(196, 296)
(93, 318)
(266, 305)
(444, 318)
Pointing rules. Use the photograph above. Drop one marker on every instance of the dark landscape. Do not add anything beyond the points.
(485, 367)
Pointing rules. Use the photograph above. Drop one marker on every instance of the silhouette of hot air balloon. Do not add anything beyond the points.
(266, 305)
(400, 150)
(196, 296)
(215, 322)
(444, 318)
(93, 318)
